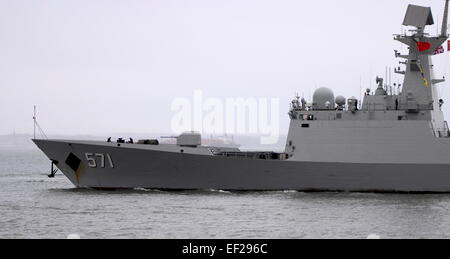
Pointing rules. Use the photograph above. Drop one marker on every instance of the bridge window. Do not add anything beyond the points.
(310, 117)
(305, 125)
(339, 116)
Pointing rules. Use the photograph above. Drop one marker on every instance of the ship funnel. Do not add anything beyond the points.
(445, 20)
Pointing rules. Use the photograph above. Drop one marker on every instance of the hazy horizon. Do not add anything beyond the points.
(116, 66)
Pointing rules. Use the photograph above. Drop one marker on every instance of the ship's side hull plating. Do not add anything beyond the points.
(134, 167)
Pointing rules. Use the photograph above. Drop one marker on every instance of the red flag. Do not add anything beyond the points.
(448, 45)
(423, 46)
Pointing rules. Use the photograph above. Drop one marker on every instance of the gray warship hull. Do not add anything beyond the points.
(135, 167)
(393, 140)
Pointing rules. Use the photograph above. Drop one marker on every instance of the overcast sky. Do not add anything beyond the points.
(116, 66)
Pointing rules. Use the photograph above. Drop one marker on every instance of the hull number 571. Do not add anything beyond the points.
(99, 160)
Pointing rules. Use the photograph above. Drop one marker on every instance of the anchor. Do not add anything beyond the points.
(53, 171)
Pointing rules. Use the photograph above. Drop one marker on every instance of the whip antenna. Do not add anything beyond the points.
(445, 20)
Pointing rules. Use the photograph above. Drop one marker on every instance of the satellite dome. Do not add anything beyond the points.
(321, 97)
(340, 100)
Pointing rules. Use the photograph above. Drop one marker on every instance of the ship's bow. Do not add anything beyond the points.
(60, 155)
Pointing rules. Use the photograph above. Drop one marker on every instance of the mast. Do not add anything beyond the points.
(419, 92)
(34, 123)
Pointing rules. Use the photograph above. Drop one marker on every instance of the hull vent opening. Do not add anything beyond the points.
(73, 162)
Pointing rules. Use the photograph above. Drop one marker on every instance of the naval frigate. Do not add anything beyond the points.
(387, 141)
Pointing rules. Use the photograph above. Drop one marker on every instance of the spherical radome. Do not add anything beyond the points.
(340, 100)
(321, 97)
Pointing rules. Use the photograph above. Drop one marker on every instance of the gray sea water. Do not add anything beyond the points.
(34, 206)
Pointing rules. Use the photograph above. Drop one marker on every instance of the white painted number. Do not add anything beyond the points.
(102, 160)
(92, 160)
(110, 160)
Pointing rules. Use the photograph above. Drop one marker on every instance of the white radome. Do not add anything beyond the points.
(73, 236)
(373, 236)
